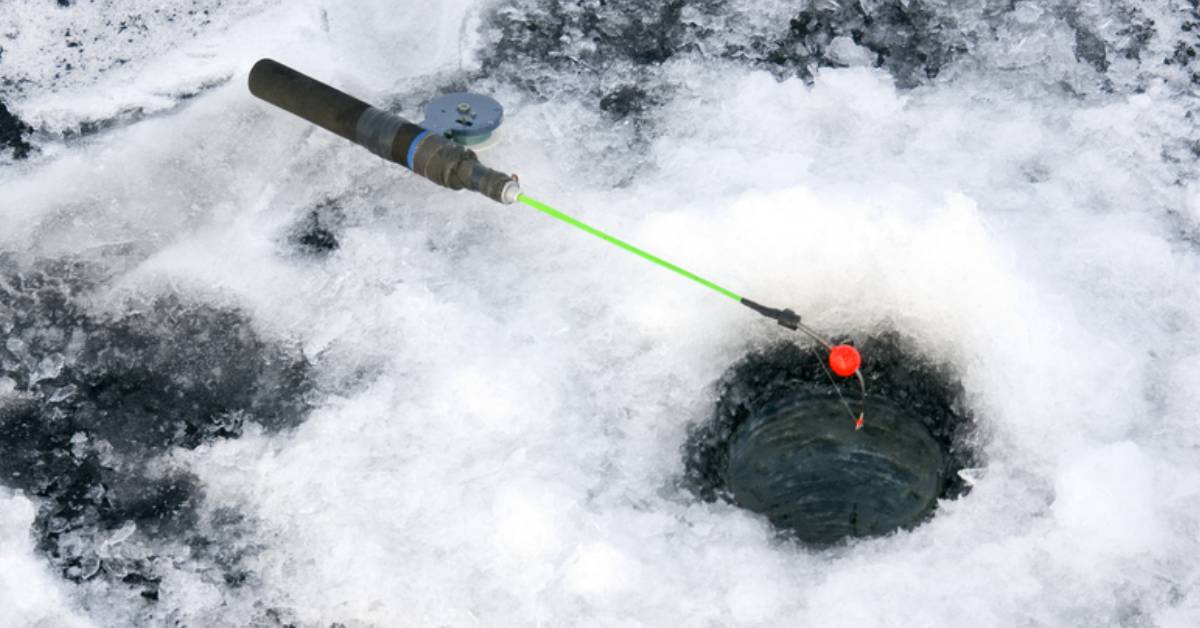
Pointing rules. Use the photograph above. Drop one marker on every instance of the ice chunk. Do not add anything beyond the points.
(48, 368)
(844, 51)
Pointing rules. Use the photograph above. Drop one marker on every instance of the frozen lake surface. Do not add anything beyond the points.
(252, 375)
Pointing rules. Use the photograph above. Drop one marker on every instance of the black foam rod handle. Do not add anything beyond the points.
(304, 96)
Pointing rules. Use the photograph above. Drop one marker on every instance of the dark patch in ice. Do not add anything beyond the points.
(316, 233)
(1130, 40)
(909, 39)
(316, 240)
(13, 132)
(226, 545)
(535, 43)
(1184, 229)
(1183, 154)
(279, 617)
(87, 403)
(541, 35)
(534, 39)
(895, 375)
(1184, 54)
(1136, 35)
(626, 101)
(1091, 49)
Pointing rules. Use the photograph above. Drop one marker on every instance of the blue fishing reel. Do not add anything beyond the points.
(465, 117)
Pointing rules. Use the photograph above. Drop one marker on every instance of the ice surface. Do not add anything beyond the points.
(502, 401)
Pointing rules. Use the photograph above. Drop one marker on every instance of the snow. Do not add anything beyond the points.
(29, 594)
(504, 400)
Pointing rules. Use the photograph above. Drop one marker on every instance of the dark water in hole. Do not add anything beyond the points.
(781, 444)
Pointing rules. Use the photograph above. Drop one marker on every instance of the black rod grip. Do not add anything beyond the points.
(304, 96)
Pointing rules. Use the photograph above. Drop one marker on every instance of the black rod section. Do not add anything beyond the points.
(386, 134)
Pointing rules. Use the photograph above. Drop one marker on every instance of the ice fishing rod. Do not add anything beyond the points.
(436, 150)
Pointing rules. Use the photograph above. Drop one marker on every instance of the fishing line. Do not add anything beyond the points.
(844, 359)
(858, 421)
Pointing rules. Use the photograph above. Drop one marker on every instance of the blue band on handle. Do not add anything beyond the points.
(412, 148)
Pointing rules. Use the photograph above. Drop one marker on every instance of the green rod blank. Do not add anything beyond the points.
(554, 213)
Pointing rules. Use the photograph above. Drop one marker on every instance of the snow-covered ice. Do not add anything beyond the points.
(499, 403)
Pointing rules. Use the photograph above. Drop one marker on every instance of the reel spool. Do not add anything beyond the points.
(465, 117)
